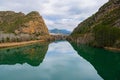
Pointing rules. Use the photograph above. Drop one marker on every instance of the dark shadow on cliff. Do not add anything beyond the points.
(33, 55)
(106, 63)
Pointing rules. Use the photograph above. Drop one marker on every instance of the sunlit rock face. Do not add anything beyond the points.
(32, 23)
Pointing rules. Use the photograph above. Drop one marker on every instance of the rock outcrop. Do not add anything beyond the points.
(20, 27)
(32, 23)
(100, 26)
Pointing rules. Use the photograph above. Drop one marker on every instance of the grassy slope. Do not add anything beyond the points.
(108, 19)
(11, 22)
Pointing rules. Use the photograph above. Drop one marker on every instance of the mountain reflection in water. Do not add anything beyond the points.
(59, 61)
(107, 63)
(33, 55)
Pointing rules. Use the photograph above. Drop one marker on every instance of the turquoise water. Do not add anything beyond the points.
(56, 61)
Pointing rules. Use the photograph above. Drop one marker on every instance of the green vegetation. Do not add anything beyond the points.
(108, 19)
(33, 54)
(17, 27)
(104, 25)
(107, 63)
(106, 36)
(11, 22)
(85, 26)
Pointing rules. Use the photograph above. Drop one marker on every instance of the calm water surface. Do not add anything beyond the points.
(58, 61)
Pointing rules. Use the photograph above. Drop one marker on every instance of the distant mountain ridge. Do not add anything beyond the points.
(60, 31)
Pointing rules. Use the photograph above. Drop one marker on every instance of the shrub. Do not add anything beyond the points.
(105, 35)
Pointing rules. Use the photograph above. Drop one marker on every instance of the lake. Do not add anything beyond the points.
(59, 60)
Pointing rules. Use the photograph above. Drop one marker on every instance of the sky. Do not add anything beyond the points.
(61, 14)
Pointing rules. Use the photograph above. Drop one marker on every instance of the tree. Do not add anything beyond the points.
(106, 36)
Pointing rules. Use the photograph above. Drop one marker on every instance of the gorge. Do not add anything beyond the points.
(31, 50)
(102, 29)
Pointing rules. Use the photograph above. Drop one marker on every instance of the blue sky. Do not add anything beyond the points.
(61, 14)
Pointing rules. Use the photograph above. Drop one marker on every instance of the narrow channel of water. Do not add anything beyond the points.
(54, 61)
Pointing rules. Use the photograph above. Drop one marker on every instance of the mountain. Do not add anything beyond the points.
(102, 29)
(60, 31)
(32, 23)
(32, 54)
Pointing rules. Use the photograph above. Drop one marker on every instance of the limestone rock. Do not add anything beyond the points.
(32, 23)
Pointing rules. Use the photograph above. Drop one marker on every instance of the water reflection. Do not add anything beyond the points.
(106, 63)
(33, 55)
(61, 62)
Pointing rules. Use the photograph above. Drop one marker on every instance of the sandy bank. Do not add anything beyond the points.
(112, 48)
(12, 44)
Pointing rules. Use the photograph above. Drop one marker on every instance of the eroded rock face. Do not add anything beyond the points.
(32, 23)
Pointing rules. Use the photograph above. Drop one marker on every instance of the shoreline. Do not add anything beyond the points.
(13, 44)
(112, 48)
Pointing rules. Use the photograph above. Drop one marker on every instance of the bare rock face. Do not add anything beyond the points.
(32, 23)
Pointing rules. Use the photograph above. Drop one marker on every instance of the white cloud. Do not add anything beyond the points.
(65, 14)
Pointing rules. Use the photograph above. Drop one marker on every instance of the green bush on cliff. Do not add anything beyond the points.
(11, 22)
(105, 35)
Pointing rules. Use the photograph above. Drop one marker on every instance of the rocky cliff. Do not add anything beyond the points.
(102, 26)
(32, 23)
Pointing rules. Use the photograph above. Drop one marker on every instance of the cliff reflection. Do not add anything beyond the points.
(106, 63)
(33, 55)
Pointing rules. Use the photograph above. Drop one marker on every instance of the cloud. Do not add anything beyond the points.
(63, 14)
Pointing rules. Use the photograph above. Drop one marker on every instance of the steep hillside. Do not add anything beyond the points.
(32, 23)
(102, 28)
(108, 14)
